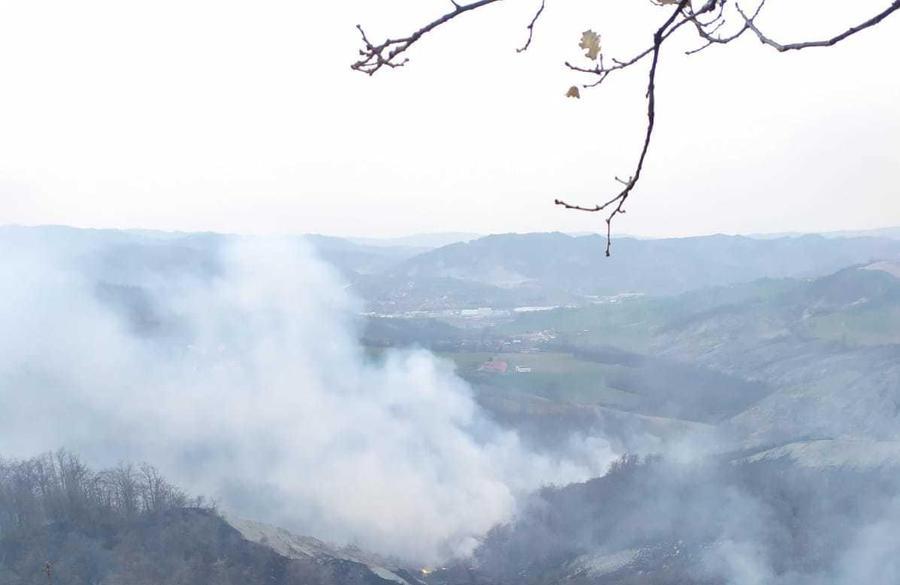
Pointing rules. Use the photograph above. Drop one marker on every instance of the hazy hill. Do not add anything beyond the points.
(129, 255)
(497, 271)
(826, 352)
(422, 241)
(354, 258)
(726, 521)
(128, 526)
(555, 261)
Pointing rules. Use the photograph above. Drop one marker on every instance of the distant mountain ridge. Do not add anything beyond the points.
(505, 270)
(557, 262)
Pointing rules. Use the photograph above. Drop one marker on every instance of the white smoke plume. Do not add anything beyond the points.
(259, 394)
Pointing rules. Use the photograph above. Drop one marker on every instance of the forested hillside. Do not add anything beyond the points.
(63, 523)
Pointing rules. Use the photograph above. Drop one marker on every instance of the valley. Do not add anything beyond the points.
(754, 417)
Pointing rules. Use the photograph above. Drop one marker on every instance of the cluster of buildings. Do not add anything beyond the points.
(495, 366)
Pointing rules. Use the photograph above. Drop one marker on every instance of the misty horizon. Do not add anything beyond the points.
(451, 236)
(476, 292)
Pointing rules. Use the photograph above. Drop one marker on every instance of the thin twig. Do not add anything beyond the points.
(618, 201)
(895, 6)
(709, 35)
(373, 57)
(602, 71)
(530, 27)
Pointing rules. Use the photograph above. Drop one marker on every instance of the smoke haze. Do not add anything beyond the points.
(253, 389)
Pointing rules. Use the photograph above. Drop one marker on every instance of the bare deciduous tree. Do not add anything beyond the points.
(714, 22)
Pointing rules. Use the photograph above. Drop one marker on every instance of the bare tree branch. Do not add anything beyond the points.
(895, 5)
(530, 27)
(708, 30)
(707, 21)
(602, 71)
(662, 33)
(374, 57)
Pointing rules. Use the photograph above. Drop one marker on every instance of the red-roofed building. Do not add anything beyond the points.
(494, 366)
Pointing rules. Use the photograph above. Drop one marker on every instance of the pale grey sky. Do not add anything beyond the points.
(244, 116)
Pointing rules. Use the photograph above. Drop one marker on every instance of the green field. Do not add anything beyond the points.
(628, 325)
(633, 324)
(555, 376)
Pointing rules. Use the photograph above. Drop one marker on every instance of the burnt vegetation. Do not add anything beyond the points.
(674, 522)
(62, 523)
(58, 489)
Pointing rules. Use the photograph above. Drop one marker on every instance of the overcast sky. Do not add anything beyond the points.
(244, 116)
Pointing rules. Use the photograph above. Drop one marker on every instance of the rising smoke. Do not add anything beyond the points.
(248, 385)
